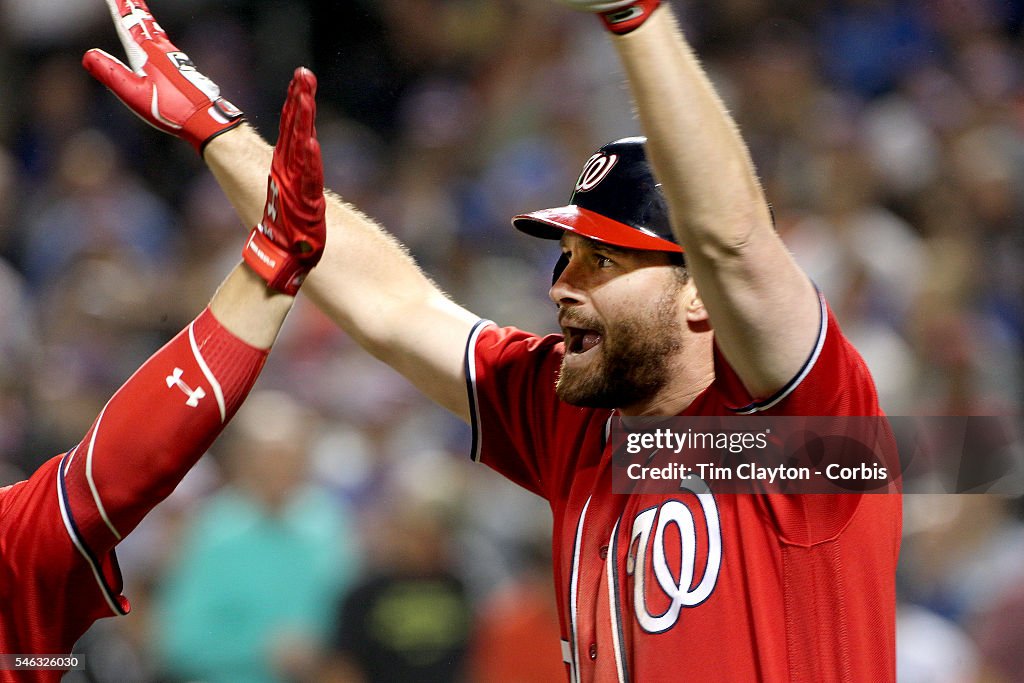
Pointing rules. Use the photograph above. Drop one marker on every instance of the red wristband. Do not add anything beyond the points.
(283, 271)
(624, 20)
(206, 124)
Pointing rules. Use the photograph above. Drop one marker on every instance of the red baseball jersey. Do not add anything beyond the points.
(694, 586)
(53, 586)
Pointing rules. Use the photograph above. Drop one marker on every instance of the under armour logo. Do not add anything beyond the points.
(193, 394)
(272, 203)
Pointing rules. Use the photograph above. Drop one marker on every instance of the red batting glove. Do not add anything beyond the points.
(619, 16)
(162, 87)
(289, 240)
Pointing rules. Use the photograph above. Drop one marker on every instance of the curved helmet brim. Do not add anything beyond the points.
(552, 223)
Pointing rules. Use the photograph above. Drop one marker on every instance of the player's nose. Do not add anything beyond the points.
(564, 289)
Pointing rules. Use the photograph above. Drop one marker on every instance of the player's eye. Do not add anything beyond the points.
(603, 261)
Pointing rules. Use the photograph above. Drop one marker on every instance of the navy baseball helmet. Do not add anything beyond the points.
(616, 201)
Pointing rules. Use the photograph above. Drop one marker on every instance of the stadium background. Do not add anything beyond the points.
(890, 138)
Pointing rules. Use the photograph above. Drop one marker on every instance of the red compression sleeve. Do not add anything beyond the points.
(156, 427)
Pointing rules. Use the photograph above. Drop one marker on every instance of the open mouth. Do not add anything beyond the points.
(579, 340)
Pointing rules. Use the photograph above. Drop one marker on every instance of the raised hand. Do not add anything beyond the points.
(162, 86)
(289, 241)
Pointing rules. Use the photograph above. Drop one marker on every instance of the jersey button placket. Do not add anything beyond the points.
(603, 552)
(593, 651)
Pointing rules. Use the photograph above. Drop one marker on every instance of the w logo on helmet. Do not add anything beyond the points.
(595, 170)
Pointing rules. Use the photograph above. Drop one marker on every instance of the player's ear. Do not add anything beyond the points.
(694, 305)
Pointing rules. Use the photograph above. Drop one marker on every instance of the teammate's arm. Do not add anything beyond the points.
(168, 413)
(764, 309)
(367, 283)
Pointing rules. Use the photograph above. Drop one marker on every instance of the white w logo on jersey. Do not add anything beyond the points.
(678, 591)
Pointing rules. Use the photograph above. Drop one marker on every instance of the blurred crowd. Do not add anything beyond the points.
(339, 531)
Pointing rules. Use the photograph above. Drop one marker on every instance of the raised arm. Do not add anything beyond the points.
(765, 311)
(367, 283)
(162, 420)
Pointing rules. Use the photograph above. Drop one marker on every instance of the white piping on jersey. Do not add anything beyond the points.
(92, 483)
(474, 396)
(613, 602)
(65, 515)
(574, 589)
(71, 457)
(214, 384)
(808, 365)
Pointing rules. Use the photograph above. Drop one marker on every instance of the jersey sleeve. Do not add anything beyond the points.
(510, 377)
(54, 591)
(834, 380)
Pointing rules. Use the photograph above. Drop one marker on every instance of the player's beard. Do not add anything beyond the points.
(633, 361)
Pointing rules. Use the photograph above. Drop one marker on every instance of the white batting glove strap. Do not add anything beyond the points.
(188, 71)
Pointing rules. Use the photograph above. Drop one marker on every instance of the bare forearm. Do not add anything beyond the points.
(240, 161)
(764, 309)
(250, 310)
(694, 145)
(366, 281)
(359, 255)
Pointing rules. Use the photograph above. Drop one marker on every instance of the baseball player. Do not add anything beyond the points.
(675, 297)
(59, 528)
